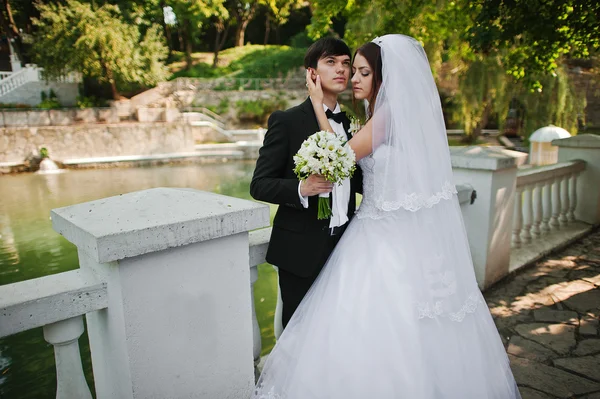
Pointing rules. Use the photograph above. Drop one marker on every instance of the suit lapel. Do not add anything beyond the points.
(346, 124)
(312, 126)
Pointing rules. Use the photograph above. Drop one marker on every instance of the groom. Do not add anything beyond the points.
(300, 243)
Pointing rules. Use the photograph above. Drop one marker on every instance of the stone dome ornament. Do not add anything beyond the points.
(541, 151)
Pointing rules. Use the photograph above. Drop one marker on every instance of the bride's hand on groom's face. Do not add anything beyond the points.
(314, 87)
(314, 185)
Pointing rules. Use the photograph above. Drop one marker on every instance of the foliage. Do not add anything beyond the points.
(280, 10)
(49, 101)
(273, 62)
(14, 105)
(258, 110)
(193, 17)
(44, 153)
(535, 34)
(251, 61)
(301, 40)
(221, 108)
(98, 43)
(89, 102)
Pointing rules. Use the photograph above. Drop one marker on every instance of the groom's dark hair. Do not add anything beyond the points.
(325, 47)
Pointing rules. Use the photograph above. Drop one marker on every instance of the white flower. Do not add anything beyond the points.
(355, 126)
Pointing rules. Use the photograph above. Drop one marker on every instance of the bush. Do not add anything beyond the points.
(14, 105)
(301, 40)
(220, 108)
(258, 111)
(49, 101)
(89, 102)
(44, 153)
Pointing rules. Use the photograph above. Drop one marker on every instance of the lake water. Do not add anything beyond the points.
(29, 248)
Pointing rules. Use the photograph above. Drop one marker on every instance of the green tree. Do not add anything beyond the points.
(98, 43)
(10, 29)
(192, 17)
(242, 11)
(495, 49)
(536, 35)
(278, 13)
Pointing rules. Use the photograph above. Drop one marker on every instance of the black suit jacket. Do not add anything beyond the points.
(299, 241)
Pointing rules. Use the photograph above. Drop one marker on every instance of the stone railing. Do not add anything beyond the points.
(18, 79)
(167, 295)
(32, 73)
(56, 303)
(545, 200)
(4, 75)
(204, 114)
(225, 84)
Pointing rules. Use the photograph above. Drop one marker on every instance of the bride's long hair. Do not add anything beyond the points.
(372, 53)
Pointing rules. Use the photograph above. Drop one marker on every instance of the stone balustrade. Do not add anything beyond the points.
(546, 199)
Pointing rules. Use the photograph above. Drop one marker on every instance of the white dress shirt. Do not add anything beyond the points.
(341, 191)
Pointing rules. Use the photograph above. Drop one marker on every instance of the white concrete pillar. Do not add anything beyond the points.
(492, 172)
(585, 147)
(179, 316)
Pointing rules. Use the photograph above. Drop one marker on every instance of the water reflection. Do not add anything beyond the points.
(29, 248)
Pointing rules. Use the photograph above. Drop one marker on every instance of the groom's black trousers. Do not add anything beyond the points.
(294, 288)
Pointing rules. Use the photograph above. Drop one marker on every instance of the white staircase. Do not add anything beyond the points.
(13, 80)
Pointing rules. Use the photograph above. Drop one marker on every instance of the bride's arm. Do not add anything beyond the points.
(362, 141)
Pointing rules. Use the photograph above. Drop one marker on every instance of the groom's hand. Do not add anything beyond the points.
(314, 185)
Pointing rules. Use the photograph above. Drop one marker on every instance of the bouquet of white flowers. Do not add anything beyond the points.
(323, 153)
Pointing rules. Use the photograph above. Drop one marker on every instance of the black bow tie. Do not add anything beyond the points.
(339, 117)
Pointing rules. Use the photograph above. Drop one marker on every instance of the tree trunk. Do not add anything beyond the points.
(180, 38)
(188, 44)
(485, 116)
(239, 36)
(243, 19)
(9, 27)
(166, 29)
(111, 80)
(267, 29)
(221, 37)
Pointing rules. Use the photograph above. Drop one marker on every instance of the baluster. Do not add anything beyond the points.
(555, 204)
(564, 201)
(573, 197)
(547, 205)
(517, 218)
(527, 214)
(257, 342)
(64, 335)
(538, 210)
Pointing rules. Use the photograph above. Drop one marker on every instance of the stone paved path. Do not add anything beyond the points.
(548, 316)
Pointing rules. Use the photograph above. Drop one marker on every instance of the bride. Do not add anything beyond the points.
(396, 311)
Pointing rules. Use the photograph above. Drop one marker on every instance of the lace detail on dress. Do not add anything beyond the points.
(414, 201)
(411, 202)
(436, 310)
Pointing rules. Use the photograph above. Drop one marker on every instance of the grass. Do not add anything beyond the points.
(251, 61)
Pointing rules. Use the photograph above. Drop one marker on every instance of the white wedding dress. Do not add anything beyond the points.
(365, 330)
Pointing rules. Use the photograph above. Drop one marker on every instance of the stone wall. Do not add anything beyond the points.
(31, 93)
(89, 141)
(57, 117)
